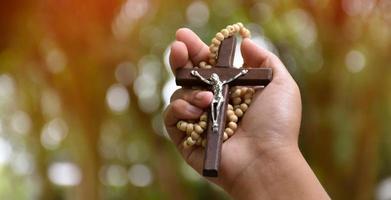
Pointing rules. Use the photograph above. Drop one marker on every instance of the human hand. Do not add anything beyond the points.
(269, 128)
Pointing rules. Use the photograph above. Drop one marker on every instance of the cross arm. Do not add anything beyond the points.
(254, 76)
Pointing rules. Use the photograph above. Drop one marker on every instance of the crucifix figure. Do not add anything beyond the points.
(219, 79)
(218, 97)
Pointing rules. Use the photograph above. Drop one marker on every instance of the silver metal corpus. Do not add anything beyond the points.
(218, 97)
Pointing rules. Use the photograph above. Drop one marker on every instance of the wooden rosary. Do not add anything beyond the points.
(229, 104)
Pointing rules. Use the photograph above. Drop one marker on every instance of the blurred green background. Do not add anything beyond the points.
(83, 85)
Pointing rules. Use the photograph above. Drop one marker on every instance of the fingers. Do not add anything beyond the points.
(179, 55)
(196, 48)
(256, 56)
(201, 99)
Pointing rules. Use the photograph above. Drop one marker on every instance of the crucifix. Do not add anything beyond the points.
(219, 79)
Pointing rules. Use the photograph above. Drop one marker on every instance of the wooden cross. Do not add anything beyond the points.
(225, 71)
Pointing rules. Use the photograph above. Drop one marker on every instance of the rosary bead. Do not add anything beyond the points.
(238, 112)
(194, 135)
(232, 125)
(240, 25)
(229, 131)
(236, 93)
(183, 126)
(204, 117)
(251, 90)
(247, 101)
(212, 61)
(202, 64)
(208, 66)
(230, 107)
(244, 90)
(202, 124)
(213, 55)
(233, 118)
(248, 96)
(178, 124)
(213, 49)
(243, 107)
(185, 144)
(236, 27)
(230, 112)
(219, 37)
(236, 100)
(198, 129)
(190, 141)
(225, 33)
(225, 136)
(189, 128)
(245, 33)
(216, 42)
(231, 29)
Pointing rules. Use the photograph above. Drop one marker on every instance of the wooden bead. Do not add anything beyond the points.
(251, 90)
(203, 124)
(232, 125)
(213, 55)
(178, 124)
(190, 141)
(189, 128)
(225, 136)
(219, 36)
(243, 107)
(240, 25)
(198, 129)
(194, 135)
(225, 33)
(229, 131)
(238, 112)
(231, 29)
(245, 33)
(208, 66)
(236, 100)
(247, 101)
(236, 27)
(230, 112)
(213, 49)
(244, 90)
(230, 107)
(202, 64)
(233, 118)
(183, 126)
(236, 93)
(248, 96)
(216, 42)
(204, 117)
(212, 61)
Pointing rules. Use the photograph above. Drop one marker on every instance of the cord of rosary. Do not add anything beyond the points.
(239, 101)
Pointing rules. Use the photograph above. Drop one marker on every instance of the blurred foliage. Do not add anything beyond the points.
(83, 85)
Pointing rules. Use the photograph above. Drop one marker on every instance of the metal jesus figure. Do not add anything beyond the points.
(217, 87)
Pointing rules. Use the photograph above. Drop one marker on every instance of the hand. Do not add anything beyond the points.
(269, 128)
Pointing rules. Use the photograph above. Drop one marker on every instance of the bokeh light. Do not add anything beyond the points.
(83, 87)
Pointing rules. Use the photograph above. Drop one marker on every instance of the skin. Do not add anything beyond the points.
(262, 160)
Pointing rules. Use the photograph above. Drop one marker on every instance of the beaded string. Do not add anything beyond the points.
(239, 97)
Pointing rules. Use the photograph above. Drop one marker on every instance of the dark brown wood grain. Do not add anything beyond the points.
(255, 76)
(224, 68)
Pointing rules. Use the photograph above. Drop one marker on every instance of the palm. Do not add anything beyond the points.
(269, 118)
